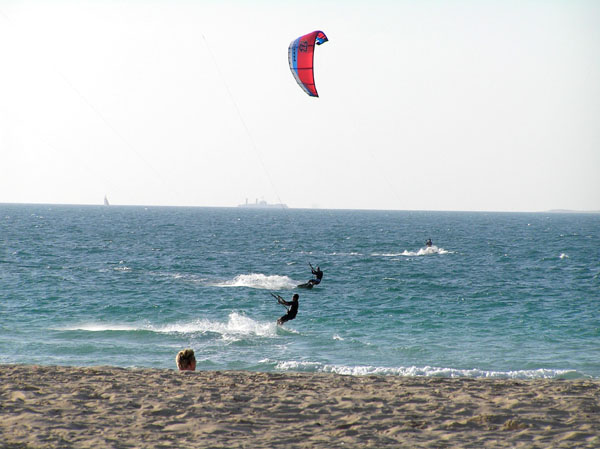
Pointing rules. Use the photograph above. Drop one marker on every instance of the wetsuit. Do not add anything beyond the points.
(292, 311)
(319, 275)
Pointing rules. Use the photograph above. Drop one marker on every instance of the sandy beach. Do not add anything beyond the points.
(104, 407)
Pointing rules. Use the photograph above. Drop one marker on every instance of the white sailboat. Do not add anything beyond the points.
(106, 203)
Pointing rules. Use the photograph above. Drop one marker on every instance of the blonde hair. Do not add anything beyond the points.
(185, 358)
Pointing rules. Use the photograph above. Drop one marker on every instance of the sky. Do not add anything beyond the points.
(424, 105)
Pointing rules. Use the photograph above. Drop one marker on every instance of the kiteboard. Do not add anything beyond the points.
(308, 285)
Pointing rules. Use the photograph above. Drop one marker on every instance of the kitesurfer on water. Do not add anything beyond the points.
(428, 243)
(318, 275)
(292, 310)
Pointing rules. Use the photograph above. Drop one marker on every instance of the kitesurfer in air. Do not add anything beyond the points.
(318, 276)
(291, 305)
(429, 243)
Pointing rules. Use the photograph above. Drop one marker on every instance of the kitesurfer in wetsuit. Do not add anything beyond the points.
(428, 243)
(318, 276)
(293, 308)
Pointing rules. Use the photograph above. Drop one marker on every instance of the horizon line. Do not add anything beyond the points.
(237, 207)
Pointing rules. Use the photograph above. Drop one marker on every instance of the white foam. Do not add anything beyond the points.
(353, 254)
(298, 366)
(120, 266)
(236, 327)
(427, 251)
(426, 371)
(386, 254)
(101, 327)
(122, 269)
(259, 280)
(184, 277)
(563, 256)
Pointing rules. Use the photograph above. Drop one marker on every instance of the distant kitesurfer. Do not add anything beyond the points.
(428, 243)
(291, 305)
(318, 275)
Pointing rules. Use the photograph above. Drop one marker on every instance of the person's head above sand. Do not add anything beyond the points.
(186, 361)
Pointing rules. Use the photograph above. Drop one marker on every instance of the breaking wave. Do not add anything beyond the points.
(425, 371)
(259, 280)
(427, 251)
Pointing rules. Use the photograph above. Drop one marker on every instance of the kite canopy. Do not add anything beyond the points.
(301, 56)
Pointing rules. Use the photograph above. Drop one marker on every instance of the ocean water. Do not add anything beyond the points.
(507, 295)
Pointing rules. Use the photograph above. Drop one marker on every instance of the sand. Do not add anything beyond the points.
(104, 407)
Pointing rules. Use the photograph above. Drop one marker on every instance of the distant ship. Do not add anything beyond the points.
(262, 204)
(106, 203)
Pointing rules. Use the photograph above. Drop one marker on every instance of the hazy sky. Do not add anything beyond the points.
(434, 105)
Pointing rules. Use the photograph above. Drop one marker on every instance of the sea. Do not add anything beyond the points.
(498, 295)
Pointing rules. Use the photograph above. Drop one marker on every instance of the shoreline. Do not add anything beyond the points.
(107, 407)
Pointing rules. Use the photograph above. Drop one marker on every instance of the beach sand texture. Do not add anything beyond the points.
(104, 407)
